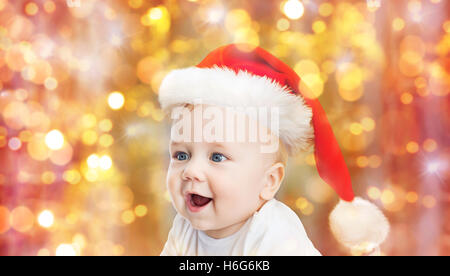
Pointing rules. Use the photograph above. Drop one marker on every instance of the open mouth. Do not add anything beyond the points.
(196, 202)
(199, 201)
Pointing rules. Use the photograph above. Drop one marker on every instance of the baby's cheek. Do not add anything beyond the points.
(172, 182)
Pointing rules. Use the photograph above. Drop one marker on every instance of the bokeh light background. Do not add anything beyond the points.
(83, 142)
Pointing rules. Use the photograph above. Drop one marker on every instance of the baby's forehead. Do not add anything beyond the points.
(221, 126)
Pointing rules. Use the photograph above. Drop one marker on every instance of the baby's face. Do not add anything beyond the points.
(217, 185)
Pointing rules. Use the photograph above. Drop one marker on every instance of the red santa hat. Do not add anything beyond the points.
(241, 75)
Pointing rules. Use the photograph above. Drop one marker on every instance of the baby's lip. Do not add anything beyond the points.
(196, 202)
(189, 194)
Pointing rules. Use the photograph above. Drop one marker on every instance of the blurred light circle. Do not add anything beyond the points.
(349, 76)
(14, 143)
(128, 217)
(116, 100)
(429, 145)
(283, 24)
(48, 177)
(155, 13)
(4, 219)
(140, 210)
(37, 148)
(89, 137)
(105, 125)
(105, 162)
(325, 9)
(31, 9)
(89, 120)
(352, 142)
(412, 147)
(293, 9)
(49, 6)
(50, 83)
(14, 58)
(42, 69)
(79, 240)
(411, 197)
(16, 115)
(362, 161)
(46, 219)
(54, 139)
(319, 26)
(105, 140)
(22, 219)
(65, 250)
(72, 176)
(62, 156)
(93, 161)
(43, 252)
(319, 191)
(398, 24)
(374, 193)
(368, 123)
(236, 19)
(146, 68)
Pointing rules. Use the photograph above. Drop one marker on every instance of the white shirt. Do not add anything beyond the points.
(273, 230)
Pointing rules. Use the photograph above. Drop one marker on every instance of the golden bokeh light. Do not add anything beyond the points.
(116, 100)
(65, 249)
(140, 210)
(429, 145)
(429, 201)
(128, 217)
(412, 147)
(374, 193)
(54, 139)
(293, 9)
(4, 219)
(411, 197)
(326, 9)
(46, 218)
(22, 219)
(398, 24)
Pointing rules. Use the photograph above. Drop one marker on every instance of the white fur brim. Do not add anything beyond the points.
(223, 87)
(358, 223)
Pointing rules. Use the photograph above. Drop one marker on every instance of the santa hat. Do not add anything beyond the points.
(241, 75)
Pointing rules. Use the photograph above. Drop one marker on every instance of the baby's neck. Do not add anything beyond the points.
(225, 232)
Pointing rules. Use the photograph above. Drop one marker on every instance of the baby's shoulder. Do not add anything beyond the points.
(275, 219)
(277, 212)
(281, 232)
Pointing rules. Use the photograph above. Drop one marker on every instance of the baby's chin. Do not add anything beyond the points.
(201, 224)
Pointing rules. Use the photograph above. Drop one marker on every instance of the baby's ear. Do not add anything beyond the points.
(272, 181)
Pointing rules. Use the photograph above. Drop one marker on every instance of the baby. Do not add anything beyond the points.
(228, 159)
(224, 191)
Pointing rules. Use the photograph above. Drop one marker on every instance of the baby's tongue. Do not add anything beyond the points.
(200, 200)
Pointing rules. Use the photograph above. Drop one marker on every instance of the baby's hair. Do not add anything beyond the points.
(282, 154)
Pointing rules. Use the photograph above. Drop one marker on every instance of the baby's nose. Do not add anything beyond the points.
(194, 171)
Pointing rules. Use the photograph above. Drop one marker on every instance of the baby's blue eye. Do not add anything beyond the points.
(181, 156)
(218, 157)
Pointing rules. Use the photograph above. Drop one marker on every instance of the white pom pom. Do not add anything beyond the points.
(358, 223)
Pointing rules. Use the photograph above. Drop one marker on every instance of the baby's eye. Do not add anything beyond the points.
(218, 157)
(181, 156)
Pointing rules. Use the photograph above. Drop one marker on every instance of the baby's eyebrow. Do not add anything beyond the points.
(219, 145)
(174, 144)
